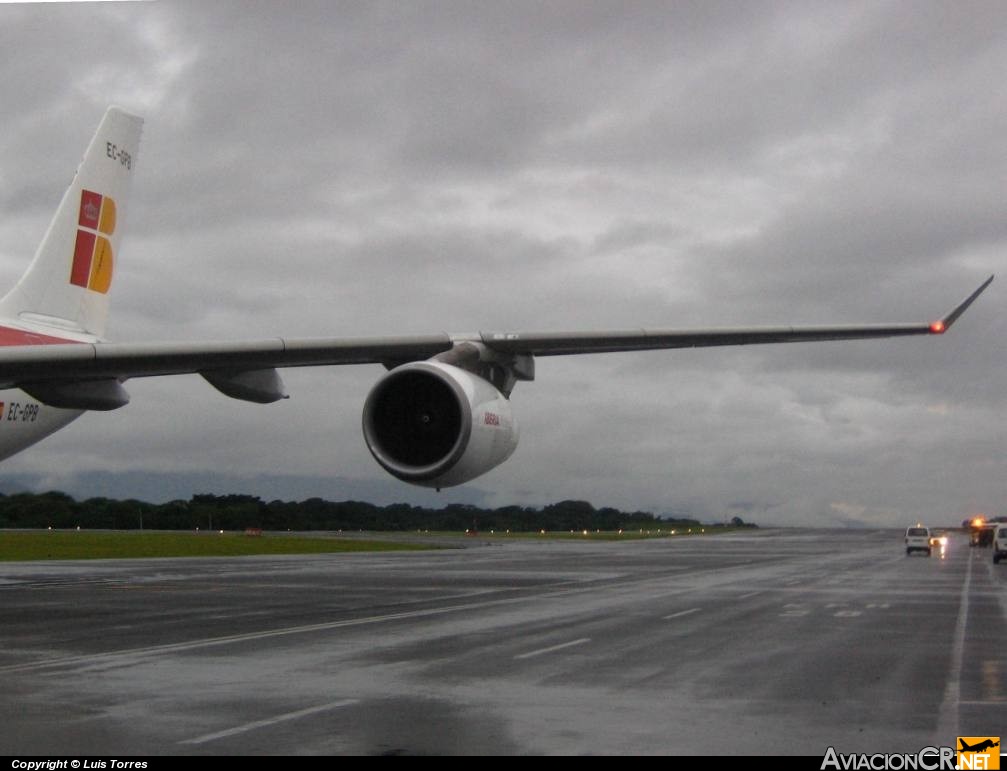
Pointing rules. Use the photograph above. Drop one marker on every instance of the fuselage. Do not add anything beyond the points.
(24, 420)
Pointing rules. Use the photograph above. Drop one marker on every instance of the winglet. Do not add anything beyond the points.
(942, 326)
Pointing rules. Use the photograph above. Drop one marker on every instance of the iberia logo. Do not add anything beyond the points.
(92, 254)
(978, 752)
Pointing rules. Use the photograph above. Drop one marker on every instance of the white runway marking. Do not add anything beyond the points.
(794, 611)
(552, 648)
(209, 642)
(984, 703)
(681, 613)
(948, 720)
(562, 589)
(269, 721)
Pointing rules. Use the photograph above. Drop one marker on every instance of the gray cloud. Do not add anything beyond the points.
(368, 168)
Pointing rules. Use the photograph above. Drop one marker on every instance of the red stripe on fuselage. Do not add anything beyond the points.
(10, 336)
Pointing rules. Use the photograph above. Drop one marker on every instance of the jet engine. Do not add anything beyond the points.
(436, 425)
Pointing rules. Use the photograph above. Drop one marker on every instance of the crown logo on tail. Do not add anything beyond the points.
(92, 254)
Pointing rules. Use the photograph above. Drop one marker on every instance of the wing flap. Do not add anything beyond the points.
(85, 361)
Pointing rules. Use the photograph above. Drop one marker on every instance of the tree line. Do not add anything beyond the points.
(239, 512)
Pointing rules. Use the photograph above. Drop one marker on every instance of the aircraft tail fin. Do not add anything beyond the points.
(66, 286)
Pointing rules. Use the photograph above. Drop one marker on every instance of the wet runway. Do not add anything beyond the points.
(771, 642)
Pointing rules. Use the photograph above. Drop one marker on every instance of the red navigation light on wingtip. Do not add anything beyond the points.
(937, 328)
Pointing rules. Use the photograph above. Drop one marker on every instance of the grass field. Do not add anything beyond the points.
(28, 545)
(24, 545)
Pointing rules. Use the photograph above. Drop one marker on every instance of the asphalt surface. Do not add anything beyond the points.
(776, 642)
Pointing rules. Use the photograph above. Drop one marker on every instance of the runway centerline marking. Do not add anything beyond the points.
(680, 614)
(270, 721)
(551, 648)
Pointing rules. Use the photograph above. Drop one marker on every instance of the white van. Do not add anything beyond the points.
(917, 539)
(999, 543)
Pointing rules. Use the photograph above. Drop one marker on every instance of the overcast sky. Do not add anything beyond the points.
(383, 168)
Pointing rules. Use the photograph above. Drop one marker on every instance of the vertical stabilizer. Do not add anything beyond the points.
(66, 287)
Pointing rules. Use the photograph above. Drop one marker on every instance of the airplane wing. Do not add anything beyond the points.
(77, 361)
(29, 365)
(553, 344)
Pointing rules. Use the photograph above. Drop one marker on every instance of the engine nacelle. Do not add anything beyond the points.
(436, 425)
